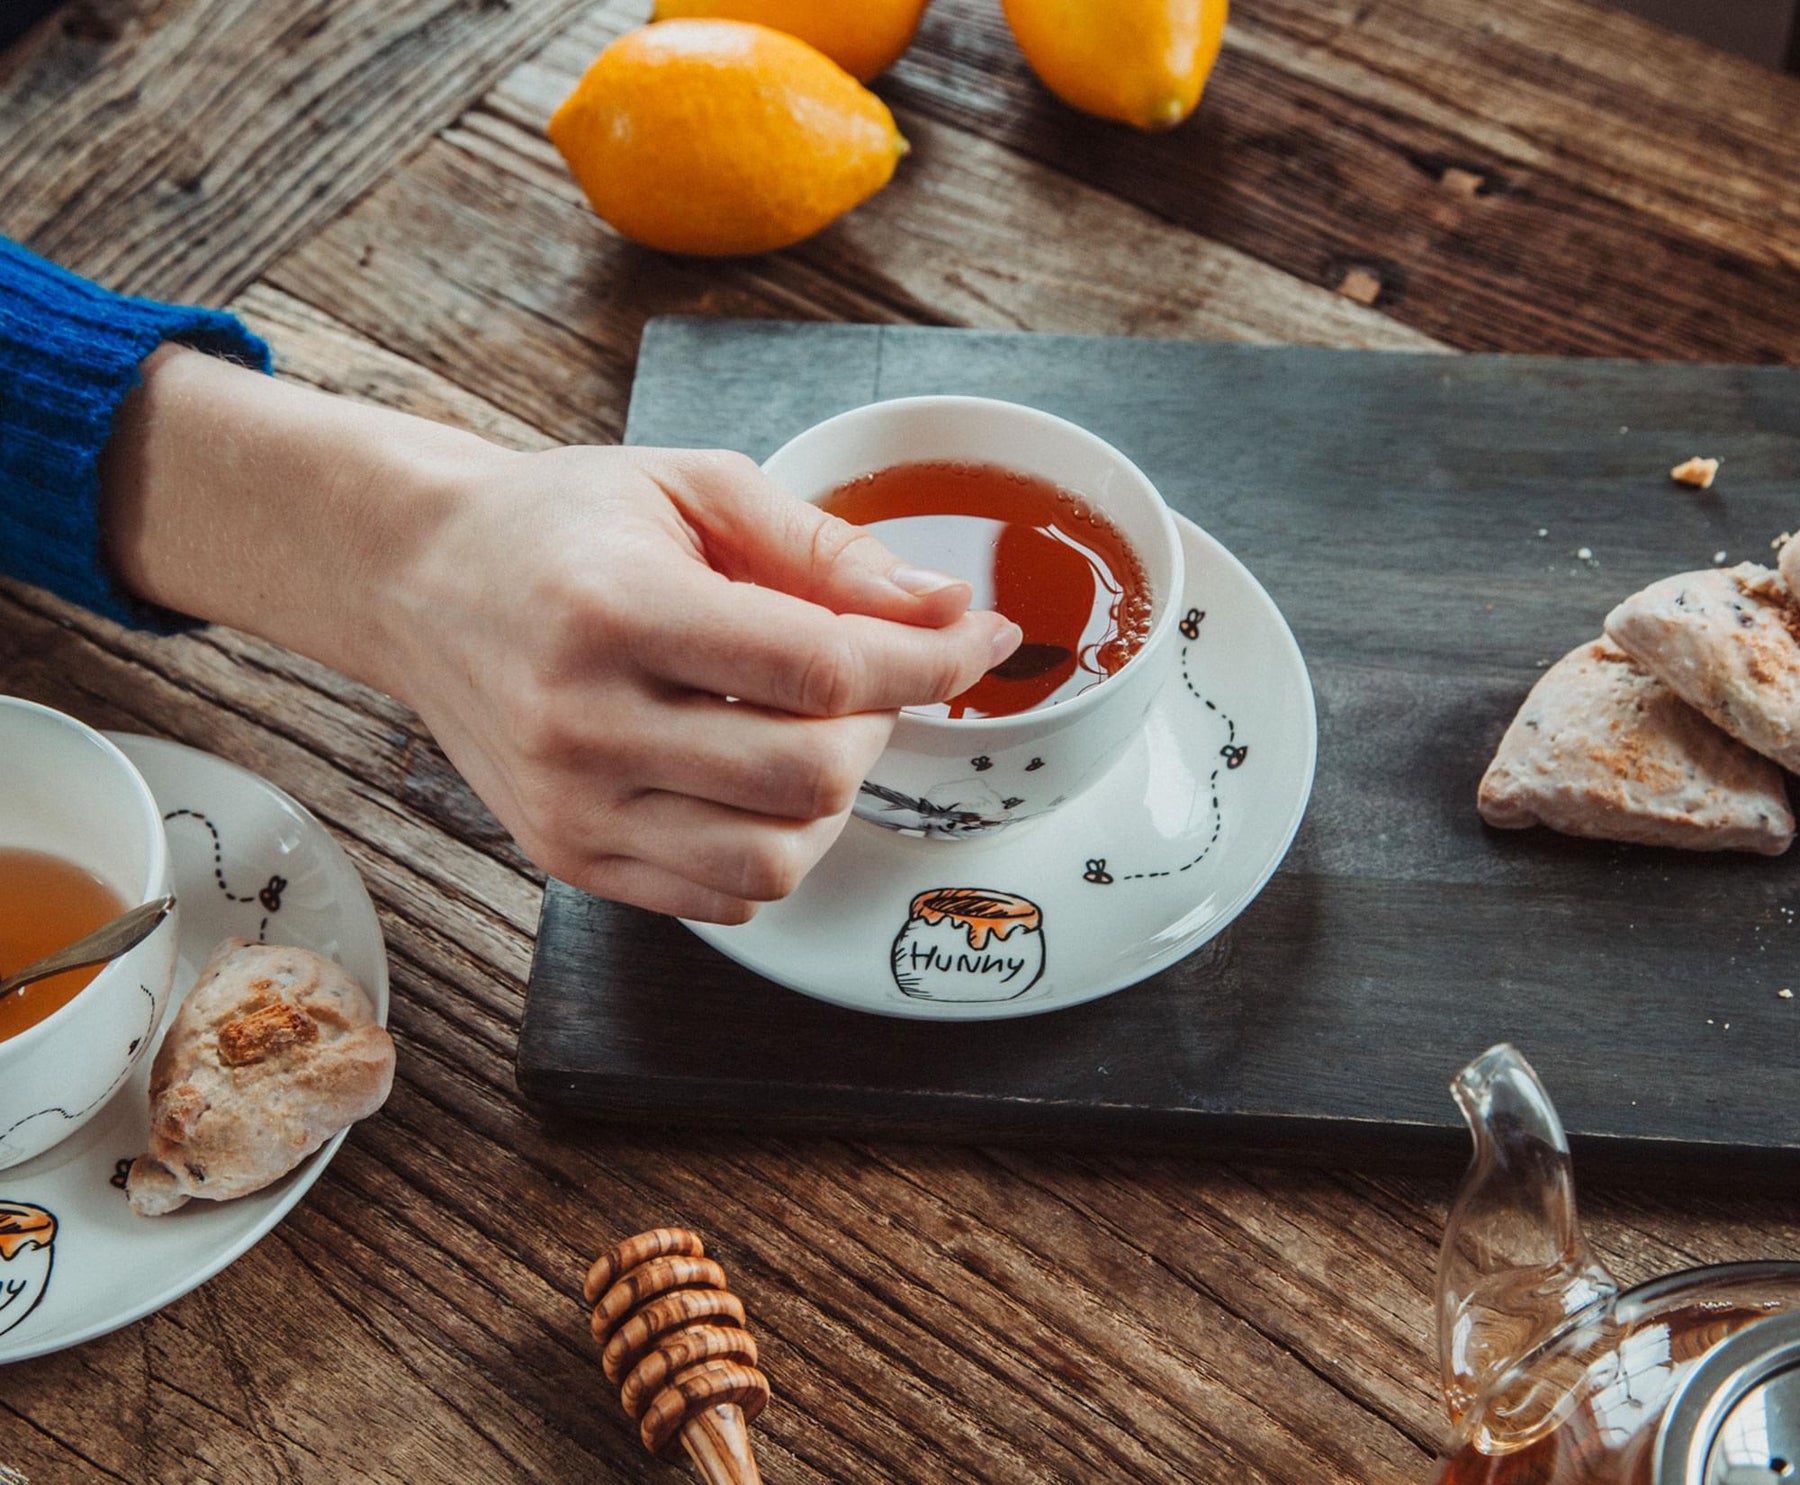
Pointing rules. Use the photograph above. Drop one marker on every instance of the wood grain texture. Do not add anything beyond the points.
(365, 181)
(1326, 131)
(172, 148)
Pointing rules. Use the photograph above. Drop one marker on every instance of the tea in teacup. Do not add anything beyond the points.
(46, 903)
(1096, 590)
(1038, 554)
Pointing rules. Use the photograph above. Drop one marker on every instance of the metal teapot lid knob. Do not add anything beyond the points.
(1736, 1420)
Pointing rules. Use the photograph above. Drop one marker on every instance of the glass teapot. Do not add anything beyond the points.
(1552, 1373)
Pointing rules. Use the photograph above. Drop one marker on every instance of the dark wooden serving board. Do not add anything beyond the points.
(1417, 518)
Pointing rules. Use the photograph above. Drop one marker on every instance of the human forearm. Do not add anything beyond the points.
(276, 509)
(71, 352)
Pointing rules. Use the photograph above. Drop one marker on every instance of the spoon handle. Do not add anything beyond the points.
(108, 941)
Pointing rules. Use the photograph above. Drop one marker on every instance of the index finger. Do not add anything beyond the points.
(737, 639)
(755, 530)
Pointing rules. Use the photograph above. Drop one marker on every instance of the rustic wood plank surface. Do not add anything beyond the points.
(366, 181)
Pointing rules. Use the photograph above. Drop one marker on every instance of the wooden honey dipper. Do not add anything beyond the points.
(673, 1341)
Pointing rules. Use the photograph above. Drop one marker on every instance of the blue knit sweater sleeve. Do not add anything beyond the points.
(69, 354)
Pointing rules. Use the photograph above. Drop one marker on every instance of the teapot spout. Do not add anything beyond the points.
(1515, 1269)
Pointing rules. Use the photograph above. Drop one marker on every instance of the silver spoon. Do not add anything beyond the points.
(108, 941)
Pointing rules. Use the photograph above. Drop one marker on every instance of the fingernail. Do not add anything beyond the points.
(921, 581)
(1006, 640)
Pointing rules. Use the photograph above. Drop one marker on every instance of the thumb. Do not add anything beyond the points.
(755, 531)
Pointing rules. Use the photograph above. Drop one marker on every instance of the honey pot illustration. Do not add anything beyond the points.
(969, 944)
(27, 1239)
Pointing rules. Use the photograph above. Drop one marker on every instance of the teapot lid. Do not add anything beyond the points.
(1736, 1420)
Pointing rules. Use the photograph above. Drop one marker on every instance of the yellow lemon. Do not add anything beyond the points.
(1142, 62)
(722, 137)
(864, 37)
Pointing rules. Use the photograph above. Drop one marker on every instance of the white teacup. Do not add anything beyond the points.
(69, 792)
(956, 778)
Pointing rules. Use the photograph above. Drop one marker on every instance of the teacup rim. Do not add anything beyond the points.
(1061, 711)
(156, 868)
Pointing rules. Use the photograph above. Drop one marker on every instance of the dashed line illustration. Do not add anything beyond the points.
(1233, 755)
(268, 896)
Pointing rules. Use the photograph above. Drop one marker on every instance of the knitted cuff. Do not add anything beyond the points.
(70, 352)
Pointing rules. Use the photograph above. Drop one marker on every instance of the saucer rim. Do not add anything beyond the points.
(949, 1011)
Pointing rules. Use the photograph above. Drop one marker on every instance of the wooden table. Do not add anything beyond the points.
(367, 183)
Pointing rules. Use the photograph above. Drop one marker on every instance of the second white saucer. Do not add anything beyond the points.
(246, 860)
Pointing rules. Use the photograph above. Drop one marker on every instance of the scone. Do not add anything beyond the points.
(1726, 641)
(274, 1051)
(1602, 749)
(1789, 562)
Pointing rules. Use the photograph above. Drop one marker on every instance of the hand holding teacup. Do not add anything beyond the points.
(583, 690)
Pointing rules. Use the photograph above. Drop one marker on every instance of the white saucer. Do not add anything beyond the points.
(248, 861)
(1142, 869)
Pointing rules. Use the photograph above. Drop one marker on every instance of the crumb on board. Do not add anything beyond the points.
(1785, 993)
(1543, 531)
(1781, 541)
(1719, 558)
(1361, 285)
(1696, 471)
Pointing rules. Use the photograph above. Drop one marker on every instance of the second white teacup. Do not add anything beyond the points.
(957, 778)
(70, 793)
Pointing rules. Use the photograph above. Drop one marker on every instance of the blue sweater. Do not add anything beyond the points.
(69, 354)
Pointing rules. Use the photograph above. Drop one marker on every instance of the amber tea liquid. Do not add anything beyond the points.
(46, 903)
(1041, 555)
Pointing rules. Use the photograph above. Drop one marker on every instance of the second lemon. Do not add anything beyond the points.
(1142, 62)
